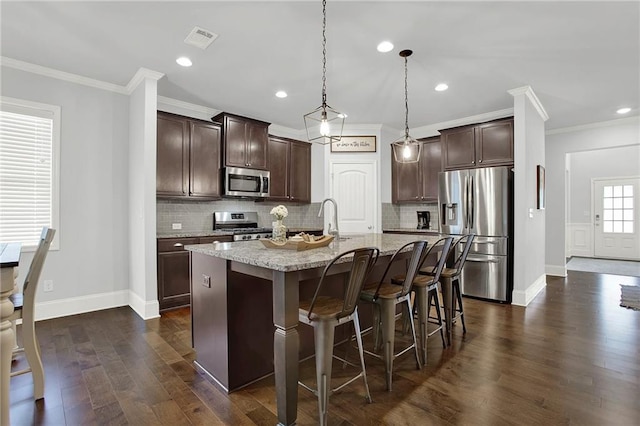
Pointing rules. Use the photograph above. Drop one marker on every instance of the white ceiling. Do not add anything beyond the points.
(581, 58)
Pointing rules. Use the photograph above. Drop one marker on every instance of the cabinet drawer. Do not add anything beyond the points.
(218, 238)
(174, 244)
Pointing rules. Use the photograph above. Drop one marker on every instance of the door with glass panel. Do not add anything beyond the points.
(617, 218)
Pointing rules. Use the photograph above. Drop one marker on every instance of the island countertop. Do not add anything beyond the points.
(254, 253)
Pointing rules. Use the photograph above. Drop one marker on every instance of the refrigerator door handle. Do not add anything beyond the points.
(472, 204)
(466, 203)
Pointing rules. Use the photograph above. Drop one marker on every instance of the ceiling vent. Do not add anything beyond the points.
(199, 37)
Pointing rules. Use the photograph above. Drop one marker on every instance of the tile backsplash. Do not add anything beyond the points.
(405, 216)
(197, 216)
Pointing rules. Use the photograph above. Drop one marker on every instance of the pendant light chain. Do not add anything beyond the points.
(406, 101)
(324, 53)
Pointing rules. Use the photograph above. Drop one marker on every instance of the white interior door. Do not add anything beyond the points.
(617, 218)
(353, 186)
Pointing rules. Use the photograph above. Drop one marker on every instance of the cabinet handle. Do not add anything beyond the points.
(480, 161)
(178, 245)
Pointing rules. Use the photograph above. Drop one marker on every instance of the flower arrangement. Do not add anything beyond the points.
(280, 212)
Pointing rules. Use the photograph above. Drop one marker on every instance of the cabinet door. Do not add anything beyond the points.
(173, 279)
(279, 169)
(205, 160)
(405, 182)
(300, 172)
(235, 142)
(257, 146)
(430, 165)
(458, 148)
(172, 168)
(494, 143)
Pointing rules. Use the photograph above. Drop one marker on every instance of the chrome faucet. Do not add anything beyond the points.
(334, 231)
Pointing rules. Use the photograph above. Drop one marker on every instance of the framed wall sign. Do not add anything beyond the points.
(540, 187)
(355, 144)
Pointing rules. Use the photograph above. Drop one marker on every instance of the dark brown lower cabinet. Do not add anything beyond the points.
(173, 270)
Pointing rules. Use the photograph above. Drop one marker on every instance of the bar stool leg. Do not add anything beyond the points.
(423, 312)
(387, 313)
(459, 299)
(413, 334)
(356, 325)
(447, 300)
(433, 297)
(324, 334)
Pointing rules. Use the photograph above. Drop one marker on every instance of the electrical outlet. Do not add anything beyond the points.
(176, 226)
(48, 285)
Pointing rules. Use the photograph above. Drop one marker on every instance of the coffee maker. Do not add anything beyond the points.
(424, 217)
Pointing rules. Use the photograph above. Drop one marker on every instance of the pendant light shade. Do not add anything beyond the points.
(406, 149)
(324, 124)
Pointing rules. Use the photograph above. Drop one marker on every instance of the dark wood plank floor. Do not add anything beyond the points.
(571, 357)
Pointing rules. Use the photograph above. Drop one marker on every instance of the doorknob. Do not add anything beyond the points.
(369, 227)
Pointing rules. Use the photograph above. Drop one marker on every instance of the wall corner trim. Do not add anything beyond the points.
(529, 93)
(140, 76)
(524, 297)
(145, 309)
(81, 304)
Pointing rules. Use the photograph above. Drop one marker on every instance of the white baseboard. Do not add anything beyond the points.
(524, 297)
(145, 309)
(556, 270)
(80, 305)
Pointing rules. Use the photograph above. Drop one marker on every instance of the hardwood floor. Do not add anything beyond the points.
(571, 357)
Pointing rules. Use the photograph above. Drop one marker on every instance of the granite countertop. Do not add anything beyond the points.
(254, 253)
(185, 234)
(413, 231)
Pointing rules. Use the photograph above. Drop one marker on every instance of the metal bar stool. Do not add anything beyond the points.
(385, 296)
(450, 280)
(426, 290)
(325, 313)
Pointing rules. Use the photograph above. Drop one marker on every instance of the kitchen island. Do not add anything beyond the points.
(230, 341)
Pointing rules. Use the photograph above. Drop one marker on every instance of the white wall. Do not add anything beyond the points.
(612, 134)
(529, 222)
(91, 266)
(584, 166)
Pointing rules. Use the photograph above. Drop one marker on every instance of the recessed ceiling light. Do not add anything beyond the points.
(441, 87)
(281, 94)
(623, 110)
(385, 46)
(184, 61)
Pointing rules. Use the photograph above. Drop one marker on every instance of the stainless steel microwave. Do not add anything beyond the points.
(239, 182)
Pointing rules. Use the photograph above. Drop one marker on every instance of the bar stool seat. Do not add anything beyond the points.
(325, 313)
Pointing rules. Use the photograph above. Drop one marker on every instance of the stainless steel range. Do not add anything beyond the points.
(243, 225)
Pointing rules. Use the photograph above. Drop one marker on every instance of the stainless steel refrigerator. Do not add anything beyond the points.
(481, 201)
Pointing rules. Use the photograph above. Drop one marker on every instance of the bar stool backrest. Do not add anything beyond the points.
(418, 255)
(465, 242)
(363, 261)
(33, 276)
(442, 260)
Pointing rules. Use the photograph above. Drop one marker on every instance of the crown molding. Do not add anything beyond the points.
(141, 75)
(61, 75)
(528, 91)
(600, 124)
(188, 106)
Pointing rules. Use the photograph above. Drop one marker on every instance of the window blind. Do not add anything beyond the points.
(26, 183)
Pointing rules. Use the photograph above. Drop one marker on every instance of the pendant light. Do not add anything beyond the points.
(324, 124)
(406, 149)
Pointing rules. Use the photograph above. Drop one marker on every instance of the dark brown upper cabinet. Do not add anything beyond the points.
(188, 158)
(290, 170)
(245, 141)
(418, 182)
(481, 145)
